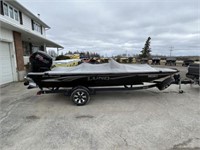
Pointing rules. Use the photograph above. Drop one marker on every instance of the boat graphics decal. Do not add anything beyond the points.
(67, 79)
(93, 78)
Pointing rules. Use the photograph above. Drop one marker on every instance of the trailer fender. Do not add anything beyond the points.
(165, 84)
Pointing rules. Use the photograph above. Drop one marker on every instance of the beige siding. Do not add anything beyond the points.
(26, 22)
(28, 25)
(6, 35)
(11, 20)
(44, 32)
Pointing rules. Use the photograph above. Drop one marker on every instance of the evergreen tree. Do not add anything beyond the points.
(69, 52)
(88, 54)
(130, 59)
(146, 50)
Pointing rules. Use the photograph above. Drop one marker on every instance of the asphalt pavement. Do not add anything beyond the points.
(142, 119)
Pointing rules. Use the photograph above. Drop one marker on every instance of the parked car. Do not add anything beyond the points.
(155, 61)
(171, 61)
(194, 72)
(187, 62)
(144, 61)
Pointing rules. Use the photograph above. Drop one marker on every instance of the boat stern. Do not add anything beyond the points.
(29, 83)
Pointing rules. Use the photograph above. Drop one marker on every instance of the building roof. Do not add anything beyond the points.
(27, 35)
(24, 10)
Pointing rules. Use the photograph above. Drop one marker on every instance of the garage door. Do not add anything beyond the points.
(6, 74)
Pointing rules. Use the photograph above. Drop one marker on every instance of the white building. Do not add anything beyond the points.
(21, 33)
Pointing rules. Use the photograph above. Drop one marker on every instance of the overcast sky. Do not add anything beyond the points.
(112, 27)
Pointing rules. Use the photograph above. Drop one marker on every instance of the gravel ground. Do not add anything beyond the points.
(144, 119)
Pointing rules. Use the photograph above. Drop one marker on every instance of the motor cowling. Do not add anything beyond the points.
(40, 62)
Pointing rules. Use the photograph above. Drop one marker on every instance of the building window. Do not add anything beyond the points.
(5, 8)
(11, 12)
(26, 47)
(16, 15)
(36, 26)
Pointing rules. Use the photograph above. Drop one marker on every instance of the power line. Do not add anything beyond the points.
(171, 49)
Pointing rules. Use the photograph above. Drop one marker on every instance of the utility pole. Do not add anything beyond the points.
(171, 49)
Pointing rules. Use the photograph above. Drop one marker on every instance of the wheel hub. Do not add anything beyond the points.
(80, 97)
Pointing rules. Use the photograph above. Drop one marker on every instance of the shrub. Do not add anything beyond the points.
(62, 57)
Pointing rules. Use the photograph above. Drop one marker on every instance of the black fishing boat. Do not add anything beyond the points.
(85, 76)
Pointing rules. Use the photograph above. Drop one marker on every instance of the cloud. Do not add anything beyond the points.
(115, 27)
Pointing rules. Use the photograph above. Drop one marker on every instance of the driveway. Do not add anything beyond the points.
(144, 119)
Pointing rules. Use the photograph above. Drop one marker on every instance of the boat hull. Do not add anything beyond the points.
(44, 80)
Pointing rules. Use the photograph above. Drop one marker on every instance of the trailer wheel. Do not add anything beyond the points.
(80, 96)
(180, 91)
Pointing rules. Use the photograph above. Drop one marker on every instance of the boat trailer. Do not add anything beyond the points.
(80, 95)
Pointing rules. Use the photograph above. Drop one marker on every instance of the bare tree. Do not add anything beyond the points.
(52, 53)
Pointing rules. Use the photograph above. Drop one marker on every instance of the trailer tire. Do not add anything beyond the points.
(80, 96)
(180, 91)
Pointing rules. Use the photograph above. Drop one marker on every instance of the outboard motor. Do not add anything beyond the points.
(40, 62)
